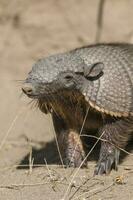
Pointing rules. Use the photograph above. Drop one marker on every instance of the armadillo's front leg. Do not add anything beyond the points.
(72, 148)
(117, 133)
(70, 144)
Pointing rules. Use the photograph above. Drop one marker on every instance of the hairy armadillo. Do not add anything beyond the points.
(89, 89)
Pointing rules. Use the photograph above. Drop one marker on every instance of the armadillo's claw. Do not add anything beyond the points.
(108, 157)
(75, 161)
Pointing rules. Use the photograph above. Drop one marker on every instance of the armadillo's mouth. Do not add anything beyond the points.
(33, 96)
(45, 98)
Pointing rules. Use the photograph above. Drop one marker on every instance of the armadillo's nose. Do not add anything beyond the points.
(27, 88)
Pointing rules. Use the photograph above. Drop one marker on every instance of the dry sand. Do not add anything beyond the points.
(29, 30)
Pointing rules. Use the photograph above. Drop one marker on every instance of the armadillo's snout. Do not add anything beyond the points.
(27, 89)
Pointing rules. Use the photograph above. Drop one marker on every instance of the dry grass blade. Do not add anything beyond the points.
(58, 148)
(50, 175)
(10, 128)
(84, 121)
(52, 179)
(99, 20)
(83, 124)
(92, 136)
(31, 161)
(15, 186)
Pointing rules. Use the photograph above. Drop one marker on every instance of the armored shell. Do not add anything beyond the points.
(113, 92)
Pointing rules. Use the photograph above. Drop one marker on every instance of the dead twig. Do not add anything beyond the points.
(82, 185)
(94, 191)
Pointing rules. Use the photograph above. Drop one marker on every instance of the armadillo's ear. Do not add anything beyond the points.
(93, 71)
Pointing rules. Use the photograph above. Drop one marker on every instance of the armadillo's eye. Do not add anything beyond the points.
(68, 77)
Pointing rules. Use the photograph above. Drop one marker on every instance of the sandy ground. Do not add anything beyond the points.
(29, 30)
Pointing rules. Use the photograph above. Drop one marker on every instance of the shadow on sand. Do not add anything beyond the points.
(50, 153)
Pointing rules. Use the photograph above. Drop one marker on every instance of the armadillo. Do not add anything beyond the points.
(87, 90)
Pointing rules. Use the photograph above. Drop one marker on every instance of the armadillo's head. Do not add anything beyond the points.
(56, 74)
